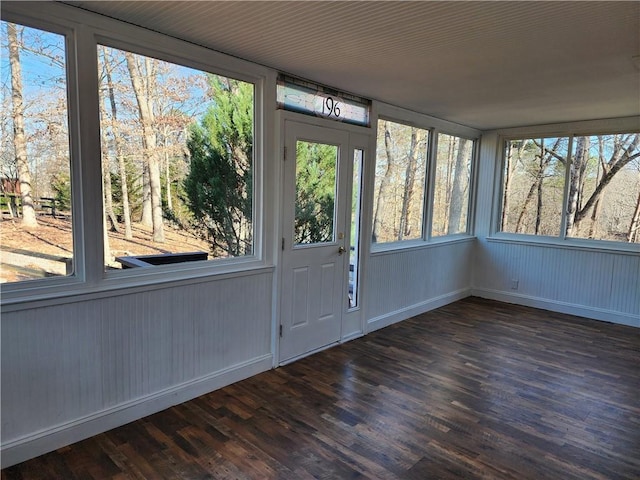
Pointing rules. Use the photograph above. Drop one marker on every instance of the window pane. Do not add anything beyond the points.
(354, 249)
(534, 185)
(399, 185)
(316, 165)
(36, 177)
(604, 188)
(177, 161)
(452, 182)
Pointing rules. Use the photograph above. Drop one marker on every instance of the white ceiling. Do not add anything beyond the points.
(481, 64)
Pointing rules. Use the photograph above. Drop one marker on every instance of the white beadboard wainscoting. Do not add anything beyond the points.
(76, 369)
(404, 283)
(591, 283)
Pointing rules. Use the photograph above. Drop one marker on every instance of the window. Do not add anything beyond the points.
(158, 165)
(401, 160)
(402, 163)
(593, 192)
(452, 185)
(534, 185)
(177, 161)
(35, 194)
(604, 188)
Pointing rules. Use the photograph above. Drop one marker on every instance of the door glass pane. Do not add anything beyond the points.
(354, 251)
(315, 192)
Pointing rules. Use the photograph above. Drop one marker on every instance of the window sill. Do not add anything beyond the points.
(70, 289)
(569, 244)
(395, 247)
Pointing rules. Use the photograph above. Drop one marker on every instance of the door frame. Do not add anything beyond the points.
(352, 320)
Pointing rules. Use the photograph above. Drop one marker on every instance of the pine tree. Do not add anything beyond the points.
(218, 187)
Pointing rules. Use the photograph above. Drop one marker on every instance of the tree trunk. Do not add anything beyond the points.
(146, 219)
(634, 231)
(24, 173)
(144, 99)
(122, 170)
(460, 181)
(384, 184)
(409, 180)
(167, 177)
(525, 206)
(447, 188)
(539, 203)
(106, 177)
(578, 166)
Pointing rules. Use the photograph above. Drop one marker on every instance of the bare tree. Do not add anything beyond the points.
(142, 82)
(24, 173)
(633, 235)
(626, 148)
(460, 184)
(384, 183)
(122, 170)
(409, 181)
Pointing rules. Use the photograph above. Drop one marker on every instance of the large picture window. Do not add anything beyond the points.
(156, 167)
(581, 187)
(35, 193)
(177, 161)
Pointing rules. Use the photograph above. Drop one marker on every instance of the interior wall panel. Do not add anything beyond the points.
(401, 279)
(64, 362)
(600, 284)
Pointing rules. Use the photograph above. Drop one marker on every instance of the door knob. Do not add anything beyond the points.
(340, 250)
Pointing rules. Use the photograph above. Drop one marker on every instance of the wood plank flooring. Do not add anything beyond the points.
(476, 389)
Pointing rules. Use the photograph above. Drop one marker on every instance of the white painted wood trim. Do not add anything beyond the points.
(593, 313)
(399, 315)
(38, 443)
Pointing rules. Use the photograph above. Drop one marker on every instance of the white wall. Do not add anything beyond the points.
(594, 280)
(75, 369)
(404, 283)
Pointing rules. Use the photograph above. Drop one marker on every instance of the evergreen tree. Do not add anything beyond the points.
(315, 192)
(218, 187)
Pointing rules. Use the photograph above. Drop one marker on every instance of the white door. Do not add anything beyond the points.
(315, 254)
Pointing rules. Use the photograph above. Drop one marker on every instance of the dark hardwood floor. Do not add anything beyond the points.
(476, 389)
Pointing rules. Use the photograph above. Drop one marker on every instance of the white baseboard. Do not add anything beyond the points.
(411, 311)
(558, 306)
(33, 445)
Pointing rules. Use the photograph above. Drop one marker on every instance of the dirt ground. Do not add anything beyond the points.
(42, 251)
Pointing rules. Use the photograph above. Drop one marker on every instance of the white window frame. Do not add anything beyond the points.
(83, 32)
(569, 130)
(435, 126)
(472, 187)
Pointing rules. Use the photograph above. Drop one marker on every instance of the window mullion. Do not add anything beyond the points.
(430, 180)
(90, 184)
